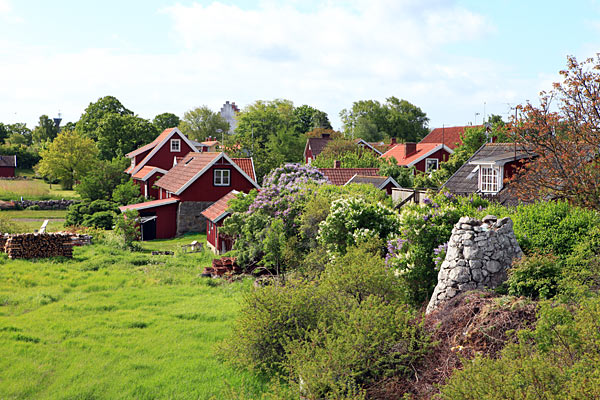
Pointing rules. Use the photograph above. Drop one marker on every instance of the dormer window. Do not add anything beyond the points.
(175, 145)
(490, 179)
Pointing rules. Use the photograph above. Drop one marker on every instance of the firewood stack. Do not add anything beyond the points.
(40, 245)
(3, 239)
(221, 267)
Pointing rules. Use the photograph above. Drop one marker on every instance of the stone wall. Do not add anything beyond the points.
(47, 204)
(478, 257)
(189, 217)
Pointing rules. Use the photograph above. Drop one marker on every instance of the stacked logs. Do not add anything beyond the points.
(224, 266)
(40, 245)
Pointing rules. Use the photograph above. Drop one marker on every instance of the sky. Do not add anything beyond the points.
(458, 60)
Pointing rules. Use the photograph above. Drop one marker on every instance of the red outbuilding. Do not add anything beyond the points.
(7, 166)
(218, 242)
(425, 157)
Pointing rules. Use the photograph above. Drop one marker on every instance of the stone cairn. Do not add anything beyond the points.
(478, 257)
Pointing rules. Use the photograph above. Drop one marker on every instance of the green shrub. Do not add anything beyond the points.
(373, 339)
(100, 219)
(7, 225)
(557, 360)
(34, 207)
(128, 229)
(535, 276)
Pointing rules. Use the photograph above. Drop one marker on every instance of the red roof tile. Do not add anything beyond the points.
(219, 207)
(185, 170)
(423, 149)
(151, 145)
(450, 136)
(247, 165)
(149, 204)
(339, 176)
(141, 174)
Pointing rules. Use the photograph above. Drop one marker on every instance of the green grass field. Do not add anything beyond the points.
(110, 324)
(30, 220)
(33, 189)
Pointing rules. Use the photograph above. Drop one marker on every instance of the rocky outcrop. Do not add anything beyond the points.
(478, 257)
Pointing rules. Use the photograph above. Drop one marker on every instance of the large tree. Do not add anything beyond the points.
(45, 131)
(202, 122)
(100, 182)
(68, 158)
(94, 113)
(19, 133)
(166, 120)
(119, 134)
(563, 136)
(373, 121)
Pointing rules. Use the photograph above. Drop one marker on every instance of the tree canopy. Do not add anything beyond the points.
(94, 113)
(165, 121)
(45, 131)
(119, 134)
(68, 158)
(373, 121)
(202, 122)
(563, 136)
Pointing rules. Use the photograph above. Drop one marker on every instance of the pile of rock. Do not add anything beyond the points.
(47, 204)
(478, 257)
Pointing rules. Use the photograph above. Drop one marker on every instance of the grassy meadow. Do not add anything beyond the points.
(33, 189)
(110, 324)
(30, 220)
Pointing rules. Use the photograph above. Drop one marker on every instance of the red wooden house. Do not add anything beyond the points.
(152, 161)
(425, 157)
(218, 242)
(450, 135)
(8, 164)
(196, 182)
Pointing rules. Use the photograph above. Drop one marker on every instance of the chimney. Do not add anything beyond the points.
(325, 135)
(409, 148)
(393, 141)
(337, 164)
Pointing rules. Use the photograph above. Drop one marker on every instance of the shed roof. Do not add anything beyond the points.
(8, 161)
(422, 151)
(218, 210)
(450, 135)
(149, 204)
(339, 176)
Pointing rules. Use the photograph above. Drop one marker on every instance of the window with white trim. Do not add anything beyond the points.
(431, 164)
(489, 179)
(222, 177)
(175, 145)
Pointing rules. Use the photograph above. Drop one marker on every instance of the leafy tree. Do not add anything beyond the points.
(373, 121)
(166, 120)
(348, 153)
(18, 133)
(4, 132)
(127, 193)
(100, 182)
(127, 227)
(26, 156)
(119, 134)
(202, 122)
(402, 175)
(90, 119)
(564, 138)
(68, 158)
(318, 132)
(306, 118)
(45, 131)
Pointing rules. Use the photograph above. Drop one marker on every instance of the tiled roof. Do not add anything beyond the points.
(450, 136)
(142, 173)
(247, 165)
(151, 145)
(373, 180)
(339, 176)
(185, 170)
(149, 204)
(465, 179)
(210, 143)
(216, 211)
(8, 161)
(317, 145)
(422, 150)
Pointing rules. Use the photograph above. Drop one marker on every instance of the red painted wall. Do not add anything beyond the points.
(7, 171)
(442, 155)
(388, 188)
(163, 158)
(166, 220)
(307, 155)
(211, 234)
(141, 156)
(203, 188)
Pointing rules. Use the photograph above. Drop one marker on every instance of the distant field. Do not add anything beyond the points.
(110, 324)
(30, 220)
(33, 189)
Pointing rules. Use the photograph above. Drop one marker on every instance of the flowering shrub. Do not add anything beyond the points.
(354, 220)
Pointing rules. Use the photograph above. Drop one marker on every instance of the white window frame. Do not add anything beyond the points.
(437, 164)
(222, 177)
(490, 179)
(175, 145)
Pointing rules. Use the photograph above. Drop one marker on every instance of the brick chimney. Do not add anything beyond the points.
(337, 164)
(409, 148)
(325, 135)
(393, 141)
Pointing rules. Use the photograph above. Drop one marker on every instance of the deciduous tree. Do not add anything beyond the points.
(166, 120)
(563, 134)
(202, 122)
(45, 131)
(90, 119)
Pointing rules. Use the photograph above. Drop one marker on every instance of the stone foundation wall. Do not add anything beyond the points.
(189, 217)
(478, 257)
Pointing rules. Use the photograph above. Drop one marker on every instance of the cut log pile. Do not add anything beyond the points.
(221, 267)
(81, 240)
(41, 245)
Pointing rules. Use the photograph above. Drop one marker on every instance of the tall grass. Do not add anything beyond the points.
(109, 324)
(33, 189)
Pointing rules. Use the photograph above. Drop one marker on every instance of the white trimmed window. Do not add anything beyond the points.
(221, 177)
(175, 145)
(431, 164)
(489, 179)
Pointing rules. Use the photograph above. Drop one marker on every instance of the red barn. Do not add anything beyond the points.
(7, 166)
(215, 215)
(425, 157)
(195, 183)
(150, 162)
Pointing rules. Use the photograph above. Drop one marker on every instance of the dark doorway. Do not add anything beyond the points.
(148, 227)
